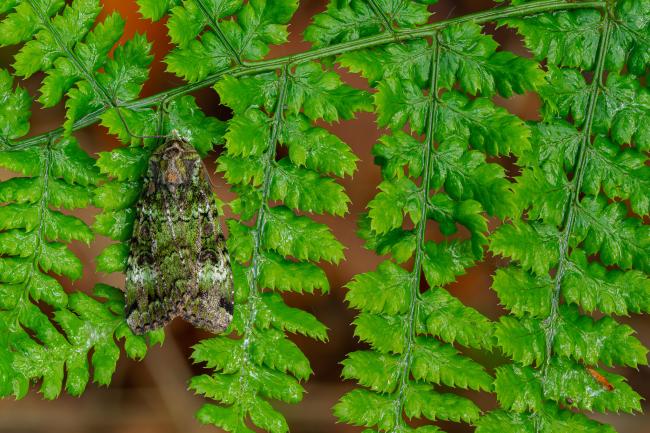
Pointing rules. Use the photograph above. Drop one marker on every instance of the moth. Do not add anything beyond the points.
(178, 263)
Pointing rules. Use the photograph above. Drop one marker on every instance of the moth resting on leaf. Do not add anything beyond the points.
(178, 264)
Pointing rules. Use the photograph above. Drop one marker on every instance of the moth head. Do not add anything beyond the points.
(179, 163)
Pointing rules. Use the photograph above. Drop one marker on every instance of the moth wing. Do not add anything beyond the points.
(212, 306)
(151, 300)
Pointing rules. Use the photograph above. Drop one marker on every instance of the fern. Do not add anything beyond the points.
(33, 243)
(411, 332)
(574, 182)
(569, 222)
(276, 250)
(58, 174)
(236, 31)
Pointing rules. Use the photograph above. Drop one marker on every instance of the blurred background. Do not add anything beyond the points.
(151, 396)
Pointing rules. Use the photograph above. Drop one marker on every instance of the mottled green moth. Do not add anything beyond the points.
(178, 263)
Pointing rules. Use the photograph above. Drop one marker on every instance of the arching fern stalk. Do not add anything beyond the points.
(411, 332)
(577, 249)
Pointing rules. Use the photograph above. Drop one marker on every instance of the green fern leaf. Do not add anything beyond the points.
(530, 244)
(113, 258)
(500, 421)
(238, 30)
(301, 237)
(624, 110)
(416, 94)
(629, 45)
(14, 110)
(377, 371)
(382, 291)
(316, 148)
(410, 60)
(280, 274)
(522, 292)
(470, 58)
(275, 252)
(306, 190)
(565, 38)
(562, 199)
(399, 243)
(567, 382)
(364, 408)
(435, 362)
(61, 41)
(605, 229)
(275, 312)
(396, 199)
(421, 402)
(155, 9)
(592, 287)
(442, 315)
(322, 95)
(350, 20)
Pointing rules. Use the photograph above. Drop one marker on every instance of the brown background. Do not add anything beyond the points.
(151, 396)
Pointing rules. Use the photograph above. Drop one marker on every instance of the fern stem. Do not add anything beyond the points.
(42, 205)
(573, 203)
(371, 41)
(269, 158)
(217, 30)
(407, 357)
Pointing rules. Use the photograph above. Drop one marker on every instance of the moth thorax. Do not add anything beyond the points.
(178, 170)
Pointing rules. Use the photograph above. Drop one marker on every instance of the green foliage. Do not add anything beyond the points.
(34, 237)
(425, 87)
(568, 220)
(87, 323)
(236, 31)
(353, 19)
(577, 248)
(60, 41)
(273, 247)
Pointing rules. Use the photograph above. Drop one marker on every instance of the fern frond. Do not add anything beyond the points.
(60, 41)
(33, 243)
(155, 9)
(573, 221)
(577, 249)
(351, 20)
(274, 249)
(412, 334)
(211, 36)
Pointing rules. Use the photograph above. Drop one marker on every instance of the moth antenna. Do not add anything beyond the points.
(207, 175)
(174, 133)
(128, 131)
